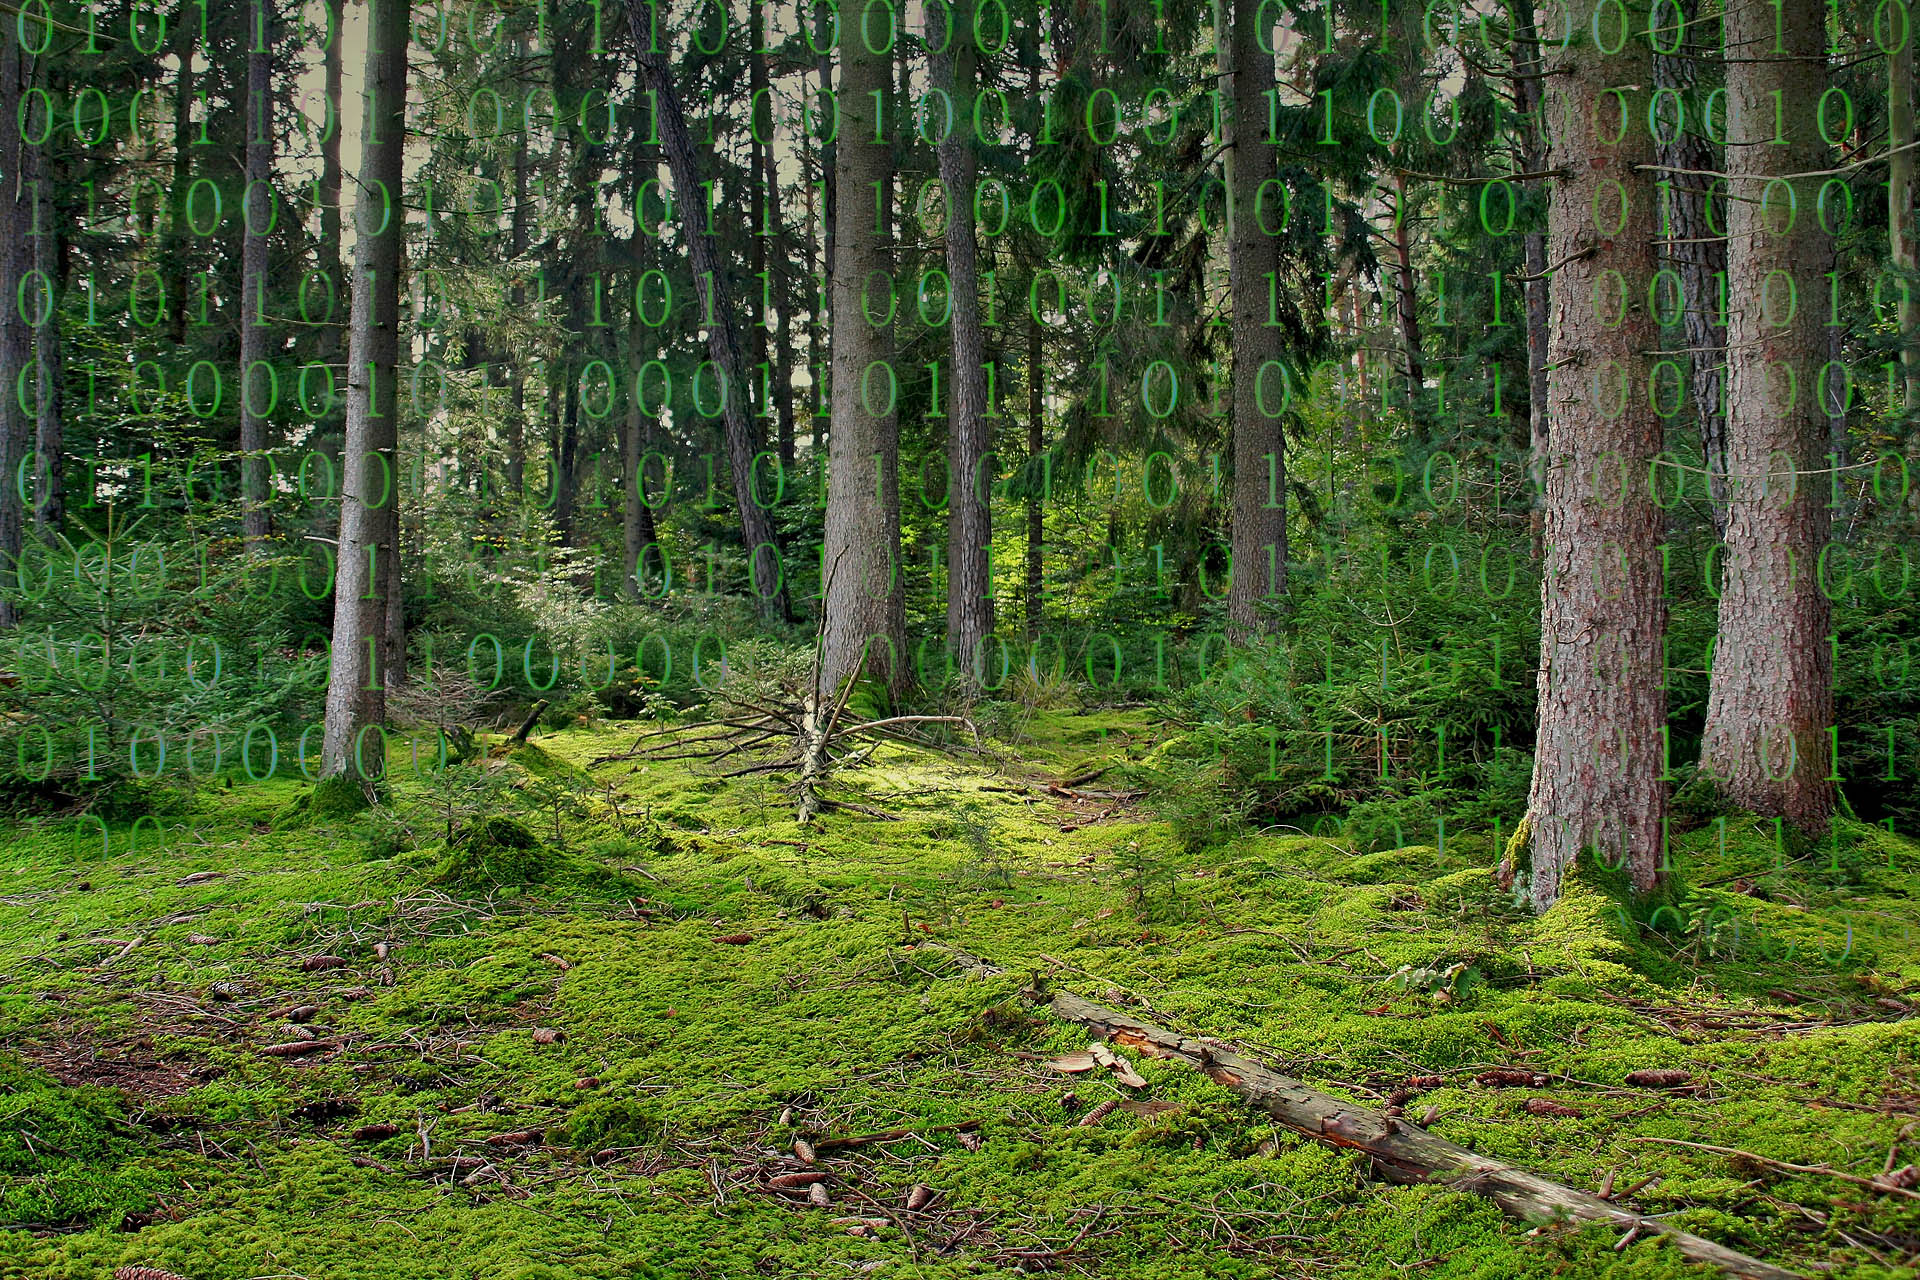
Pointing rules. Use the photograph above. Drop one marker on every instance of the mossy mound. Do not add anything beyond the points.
(497, 851)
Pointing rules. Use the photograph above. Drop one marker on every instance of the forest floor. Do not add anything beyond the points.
(602, 1073)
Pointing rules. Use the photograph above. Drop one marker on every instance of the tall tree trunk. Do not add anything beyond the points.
(1529, 96)
(1698, 257)
(782, 301)
(1259, 534)
(1901, 237)
(174, 262)
(1406, 307)
(516, 425)
(15, 340)
(1596, 779)
(865, 610)
(969, 435)
(331, 243)
(766, 581)
(255, 271)
(1036, 511)
(829, 212)
(370, 486)
(1771, 700)
(636, 517)
(49, 259)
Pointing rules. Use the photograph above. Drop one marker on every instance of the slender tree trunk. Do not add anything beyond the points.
(767, 582)
(1407, 307)
(331, 243)
(16, 433)
(865, 611)
(1697, 256)
(516, 424)
(174, 268)
(1771, 700)
(1596, 778)
(829, 212)
(636, 517)
(255, 271)
(1905, 245)
(566, 444)
(49, 259)
(370, 485)
(782, 301)
(1036, 511)
(969, 435)
(1528, 96)
(1259, 534)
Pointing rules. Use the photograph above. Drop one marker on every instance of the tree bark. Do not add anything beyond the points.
(174, 269)
(15, 342)
(767, 583)
(49, 433)
(1036, 511)
(1902, 241)
(255, 271)
(865, 599)
(1596, 777)
(1698, 257)
(331, 242)
(969, 435)
(1771, 700)
(1259, 534)
(516, 424)
(1533, 150)
(370, 486)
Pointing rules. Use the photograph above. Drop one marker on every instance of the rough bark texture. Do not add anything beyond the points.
(865, 596)
(1697, 255)
(370, 479)
(1259, 534)
(767, 583)
(969, 436)
(1036, 510)
(49, 495)
(1772, 693)
(174, 259)
(1596, 779)
(1401, 1152)
(1902, 241)
(257, 206)
(1528, 97)
(330, 178)
(516, 425)
(15, 347)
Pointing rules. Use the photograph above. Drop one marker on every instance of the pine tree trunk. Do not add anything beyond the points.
(969, 435)
(49, 259)
(516, 424)
(174, 260)
(1904, 245)
(865, 600)
(1698, 256)
(16, 433)
(1036, 512)
(1596, 779)
(1259, 534)
(1771, 700)
(254, 271)
(766, 580)
(331, 243)
(1528, 94)
(370, 482)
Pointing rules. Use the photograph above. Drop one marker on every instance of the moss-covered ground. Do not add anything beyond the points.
(722, 983)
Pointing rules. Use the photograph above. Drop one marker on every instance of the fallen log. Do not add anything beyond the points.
(1401, 1152)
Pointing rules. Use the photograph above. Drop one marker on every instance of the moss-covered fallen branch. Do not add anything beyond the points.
(1402, 1152)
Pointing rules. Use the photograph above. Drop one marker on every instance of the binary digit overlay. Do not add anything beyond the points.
(625, 625)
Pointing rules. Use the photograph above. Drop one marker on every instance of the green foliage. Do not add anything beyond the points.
(63, 1153)
(496, 851)
(599, 1123)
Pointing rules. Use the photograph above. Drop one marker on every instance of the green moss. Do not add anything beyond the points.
(63, 1153)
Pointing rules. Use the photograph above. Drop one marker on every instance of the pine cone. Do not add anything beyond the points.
(145, 1273)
